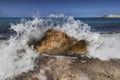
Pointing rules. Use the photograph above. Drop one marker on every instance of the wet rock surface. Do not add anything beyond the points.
(72, 68)
(57, 42)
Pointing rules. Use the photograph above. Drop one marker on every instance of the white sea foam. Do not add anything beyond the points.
(17, 56)
(99, 46)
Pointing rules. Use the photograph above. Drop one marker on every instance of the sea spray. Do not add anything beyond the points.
(18, 57)
(99, 46)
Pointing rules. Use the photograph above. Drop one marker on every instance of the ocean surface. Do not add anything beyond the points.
(102, 25)
(101, 34)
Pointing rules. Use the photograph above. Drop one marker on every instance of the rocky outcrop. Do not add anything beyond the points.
(70, 68)
(57, 42)
(59, 67)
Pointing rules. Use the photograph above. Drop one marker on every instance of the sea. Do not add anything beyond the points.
(101, 34)
(102, 25)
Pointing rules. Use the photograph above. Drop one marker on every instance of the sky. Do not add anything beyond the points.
(77, 8)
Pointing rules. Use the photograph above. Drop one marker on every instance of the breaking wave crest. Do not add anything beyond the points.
(17, 57)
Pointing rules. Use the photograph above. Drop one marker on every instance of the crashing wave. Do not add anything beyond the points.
(17, 57)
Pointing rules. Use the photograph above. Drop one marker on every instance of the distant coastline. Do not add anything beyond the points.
(109, 16)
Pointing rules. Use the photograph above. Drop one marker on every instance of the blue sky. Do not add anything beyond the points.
(77, 8)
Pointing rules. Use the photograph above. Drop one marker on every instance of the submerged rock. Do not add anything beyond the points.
(57, 42)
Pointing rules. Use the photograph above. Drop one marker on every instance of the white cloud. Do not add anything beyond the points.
(56, 15)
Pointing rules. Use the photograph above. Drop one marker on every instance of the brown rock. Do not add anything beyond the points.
(57, 42)
(69, 68)
(34, 78)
